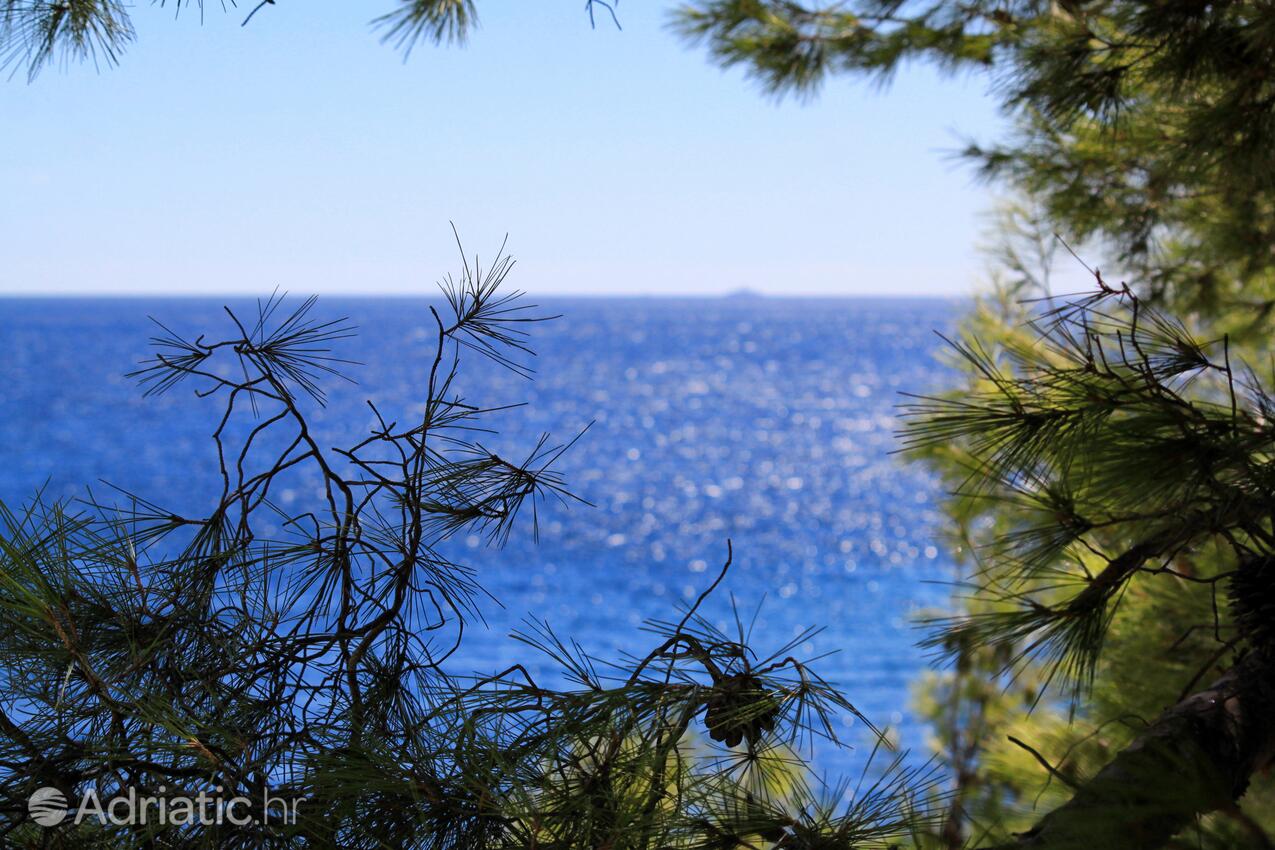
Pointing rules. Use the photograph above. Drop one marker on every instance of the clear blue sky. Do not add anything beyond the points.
(300, 152)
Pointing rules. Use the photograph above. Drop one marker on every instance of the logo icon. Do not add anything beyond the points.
(47, 806)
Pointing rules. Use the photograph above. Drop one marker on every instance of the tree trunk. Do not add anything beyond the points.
(1196, 758)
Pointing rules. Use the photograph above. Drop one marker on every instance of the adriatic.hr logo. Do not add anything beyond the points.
(49, 807)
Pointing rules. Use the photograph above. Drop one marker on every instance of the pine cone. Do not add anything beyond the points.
(740, 708)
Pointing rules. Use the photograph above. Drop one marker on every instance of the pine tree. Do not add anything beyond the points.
(1118, 453)
(35, 33)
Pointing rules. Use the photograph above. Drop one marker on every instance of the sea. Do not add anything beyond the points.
(766, 421)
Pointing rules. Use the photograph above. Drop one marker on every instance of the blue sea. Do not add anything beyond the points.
(767, 421)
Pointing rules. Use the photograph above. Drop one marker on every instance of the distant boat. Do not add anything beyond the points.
(744, 294)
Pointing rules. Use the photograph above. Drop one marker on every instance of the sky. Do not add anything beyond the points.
(298, 152)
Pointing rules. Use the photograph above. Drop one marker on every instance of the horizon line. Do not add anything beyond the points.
(749, 295)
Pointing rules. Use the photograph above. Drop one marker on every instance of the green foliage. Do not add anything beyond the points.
(1100, 534)
(1012, 754)
(791, 46)
(35, 33)
(437, 21)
